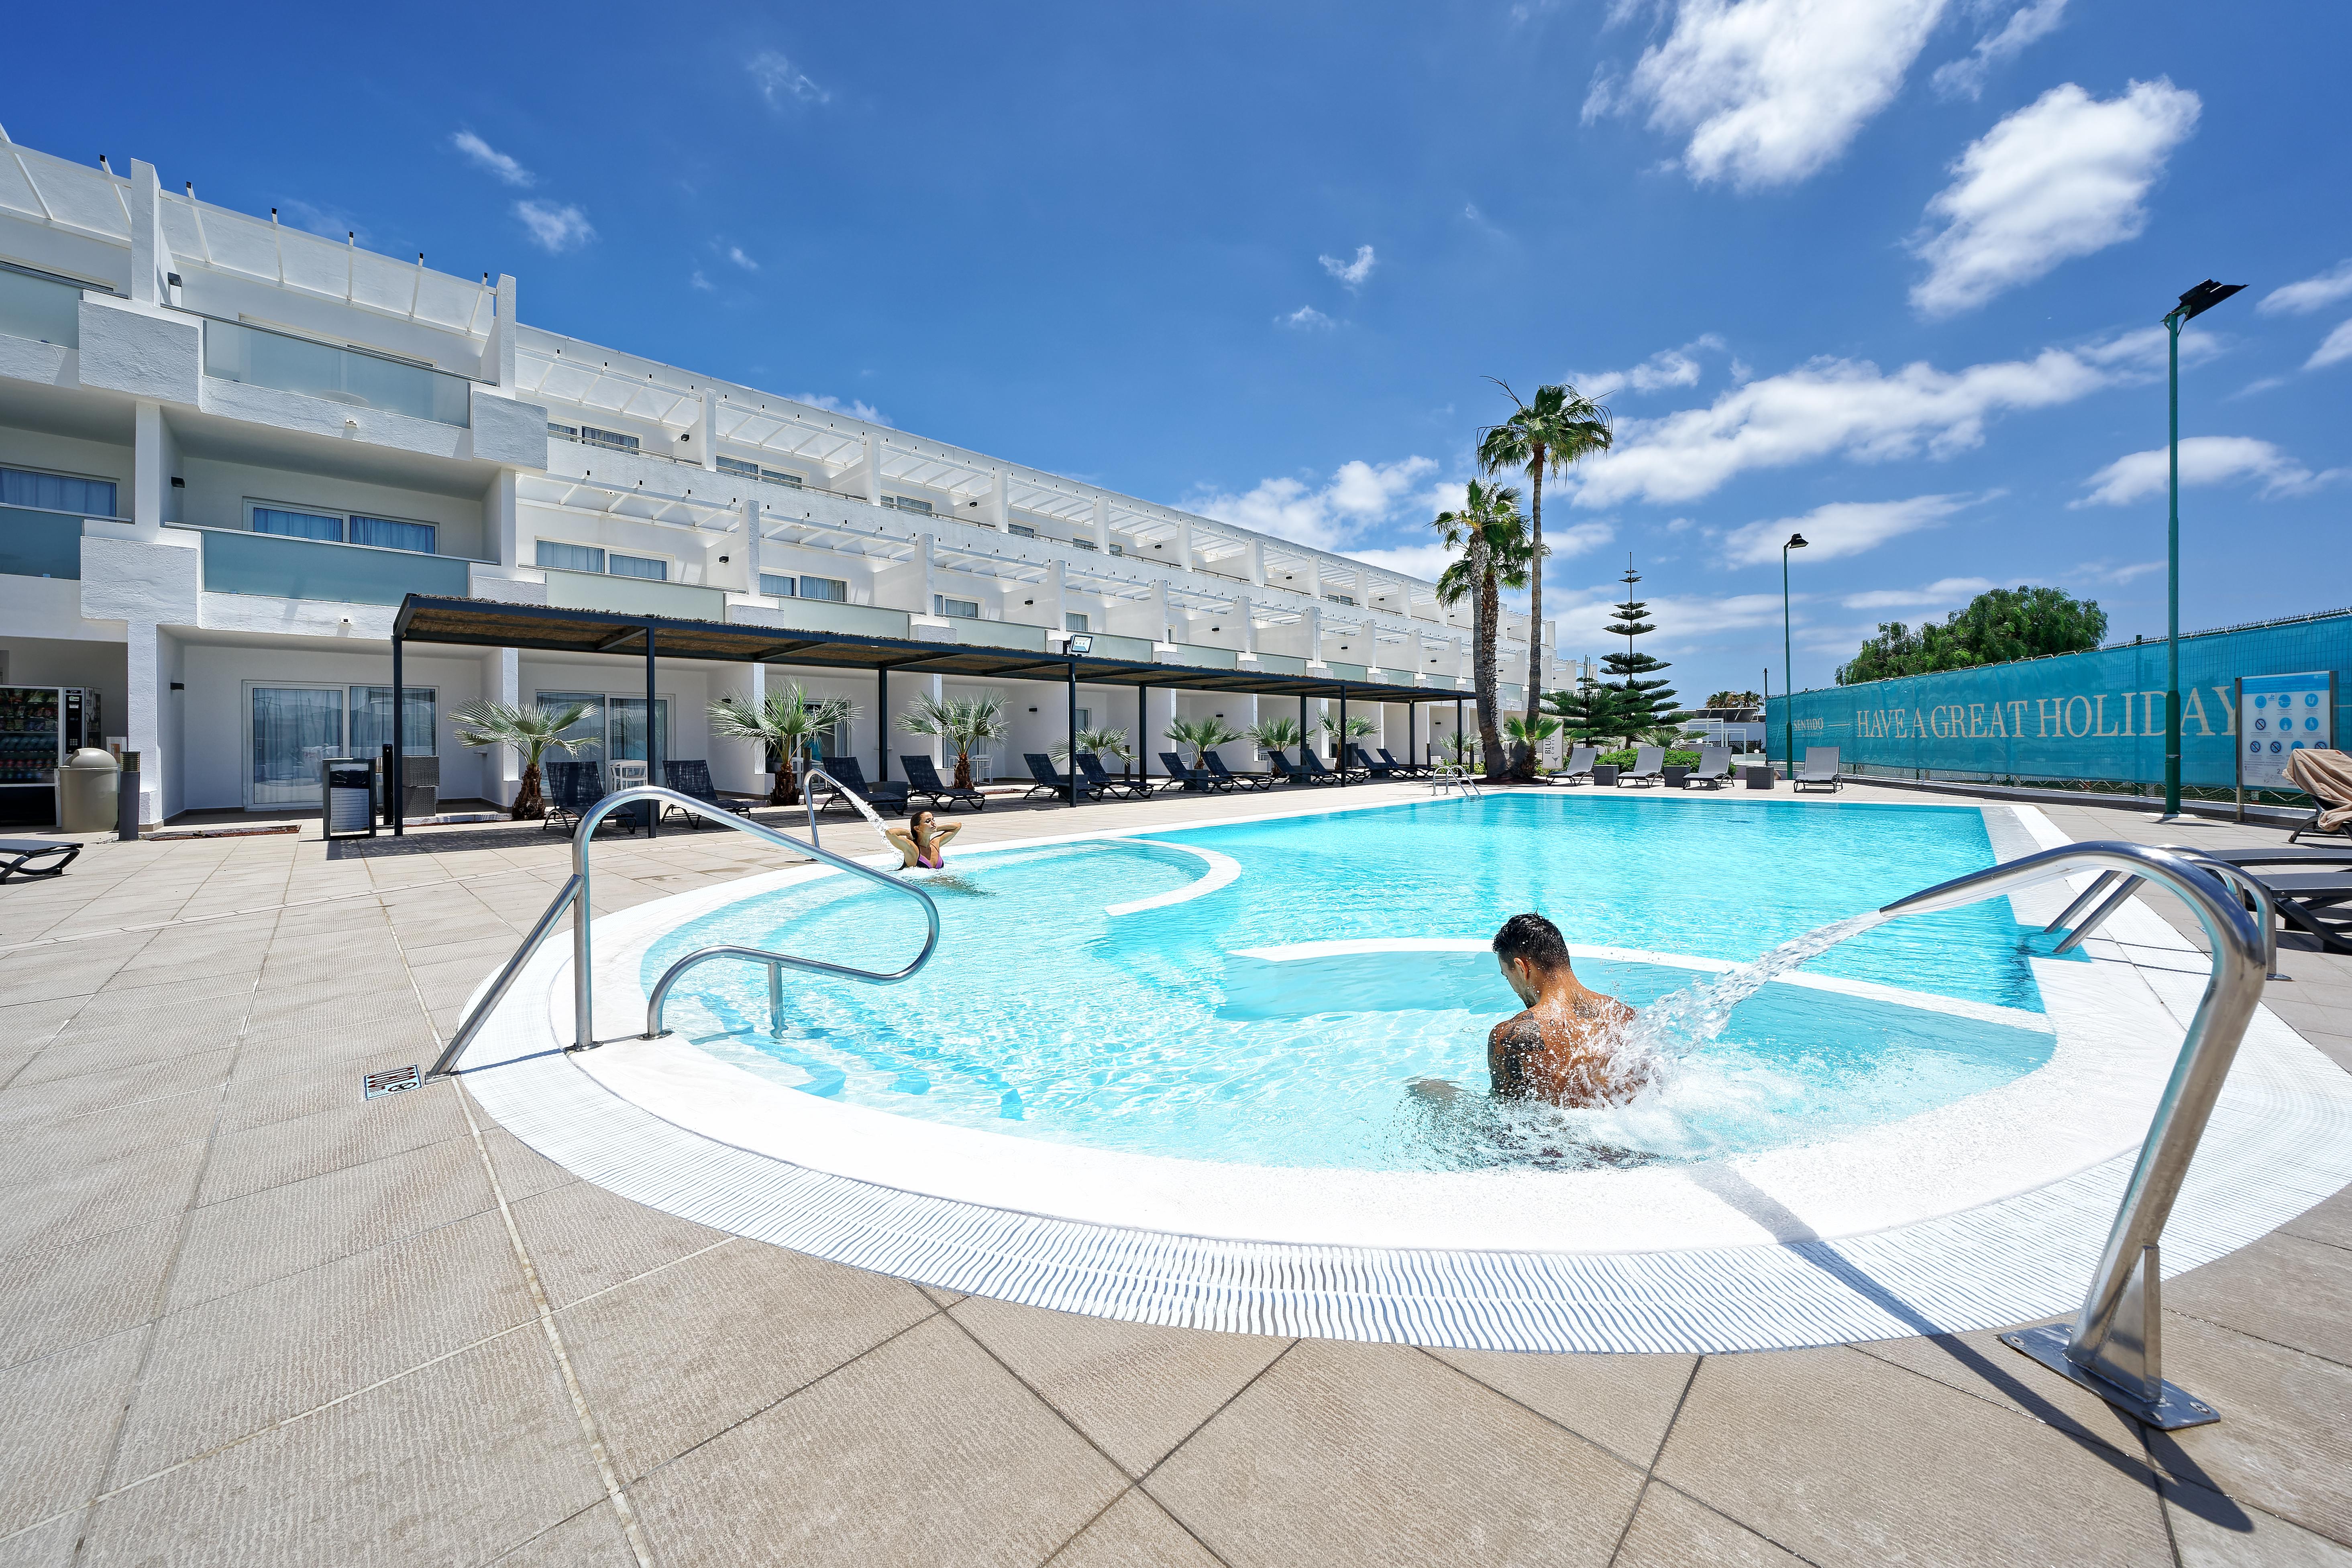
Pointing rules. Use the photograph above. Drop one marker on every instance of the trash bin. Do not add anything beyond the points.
(348, 785)
(86, 786)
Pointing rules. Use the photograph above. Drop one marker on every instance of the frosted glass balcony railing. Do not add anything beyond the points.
(634, 596)
(1001, 634)
(1347, 671)
(1280, 664)
(1203, 658)
(40, 309)
(257, 357)
(34, 543)
(1135, 650)
(825, 615)
(278, 567)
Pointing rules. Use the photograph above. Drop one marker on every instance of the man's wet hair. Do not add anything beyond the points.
(1536, 940)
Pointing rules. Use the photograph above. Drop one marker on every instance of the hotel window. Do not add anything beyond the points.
(588, 730)
(386, 533)
(611, 440)
(777, 585)
(563, 432)
(383, 533)
(1117, 549)
(737, 466)
(778, 477)
(955, 608)
(907, 504)
(830, 588)
(1339, 599)
(371, 721)
(1021, 531)
(1072, 621)
(294, 525)
(570, 557)
(616, 565)
(56, 492)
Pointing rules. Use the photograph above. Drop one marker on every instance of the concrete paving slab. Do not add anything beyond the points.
(1624, 1403)
(790, 1320)
(349, 1135)
(1673, 1532)
(1843, 1458)
(58, 1416)
(2262, 1541)
(2329, 1222)
(589, 1539)
(1133, 1533)
(1349, 1454)
(582, 1239)
(49, 1545)
(56, 1293)
(45, 1103)
(925, 1450)
(1136, 1390)
(1979, 1363)
(2282, 1289)
(2282, 1443)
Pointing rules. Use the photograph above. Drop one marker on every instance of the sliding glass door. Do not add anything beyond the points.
(290, 729)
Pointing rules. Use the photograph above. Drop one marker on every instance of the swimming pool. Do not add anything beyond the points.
(1267, 993)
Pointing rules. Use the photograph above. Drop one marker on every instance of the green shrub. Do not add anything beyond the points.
(1625, 758)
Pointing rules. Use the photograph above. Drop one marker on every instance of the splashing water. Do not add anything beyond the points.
(881, 828)
(1672, 1029)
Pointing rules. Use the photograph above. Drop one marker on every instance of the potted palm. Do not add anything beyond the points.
(785, 724)
(1101, 742)
(1527, 734)
(1272, 735)
(1358, 728)
(1200, 734)
(531, 731)
(962, 722)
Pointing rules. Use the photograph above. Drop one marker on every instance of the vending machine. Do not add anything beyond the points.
(40, 727)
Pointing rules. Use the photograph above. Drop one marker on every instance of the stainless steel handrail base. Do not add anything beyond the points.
(2173, 1408)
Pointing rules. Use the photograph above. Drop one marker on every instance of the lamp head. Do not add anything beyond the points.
(1796, 541)
(2203, 298)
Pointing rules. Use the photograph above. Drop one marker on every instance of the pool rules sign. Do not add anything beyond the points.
(2279, 715)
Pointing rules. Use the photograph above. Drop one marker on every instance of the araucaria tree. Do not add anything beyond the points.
(1496, 554)
(1640, 705)
(1587, 712)
(1560, 426)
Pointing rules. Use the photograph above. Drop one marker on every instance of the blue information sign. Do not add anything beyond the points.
(2279, 715)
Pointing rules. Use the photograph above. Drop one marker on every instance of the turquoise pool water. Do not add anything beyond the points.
(1044, 1016)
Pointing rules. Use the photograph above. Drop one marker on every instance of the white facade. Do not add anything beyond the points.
(296, 433)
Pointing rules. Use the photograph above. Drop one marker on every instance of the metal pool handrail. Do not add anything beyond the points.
(2113, 1348)
(574, 893)
(2246, 882)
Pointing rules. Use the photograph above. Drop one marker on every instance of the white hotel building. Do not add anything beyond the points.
(230, 450)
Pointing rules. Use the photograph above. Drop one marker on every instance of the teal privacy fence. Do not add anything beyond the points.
(2077, 718)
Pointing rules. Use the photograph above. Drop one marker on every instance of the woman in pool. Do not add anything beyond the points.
(922, 842)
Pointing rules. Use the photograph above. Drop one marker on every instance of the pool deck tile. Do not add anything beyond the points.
(283, 1324)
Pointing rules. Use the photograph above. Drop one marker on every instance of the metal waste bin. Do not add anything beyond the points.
(347, 792)
(87, 785)
(626, 774)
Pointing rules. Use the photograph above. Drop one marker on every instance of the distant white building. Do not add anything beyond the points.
(229, 449)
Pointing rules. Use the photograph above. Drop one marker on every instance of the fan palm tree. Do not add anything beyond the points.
(1559, 428)
(1528, 732)
(531, 731)
(1101, 742)
(1358, 728)
(1496, 554)
(1272, 735)
(1200, 734)
(964, 722)
(785, 724)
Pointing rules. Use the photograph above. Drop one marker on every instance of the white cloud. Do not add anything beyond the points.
(699, 281)
(2316, 292)
(555, 228)
(2336, 348)
(1769, 91)
(1840, 528)
(1351, 273)
(779, 80)
(1424, 561)
(1306, 319)
(735, 254)
(2204, 460)
(1947, 593)
(1965, 77)
(491, 159)
(854, 408)
(1667, 368)
(2062, 177)
(1358, 496)
(1850, 407)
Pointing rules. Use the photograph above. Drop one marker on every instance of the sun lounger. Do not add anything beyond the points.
(1821, 769)
(1312, 766)
(849, 775)
(2325, 776)
(1091, 769)
(1290, 775)
(1404, 770)
(17, 855)
(1374, 770)
(1649, 767)
(693, 779)
(1578, 768)
(1197, 780)
(1050, 779)
(1714, 769)
(571, 789)
(923, 779)
(2314, 902)
(1244, 780)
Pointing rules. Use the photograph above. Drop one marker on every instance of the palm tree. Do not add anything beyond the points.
(1101, 742)
(1528, 732)
(963, 721)
(1272, 735)
(1200, 734)
(1559, 427)
(530, 731)
(1496, 554)
(784, 725)
(1358, 728)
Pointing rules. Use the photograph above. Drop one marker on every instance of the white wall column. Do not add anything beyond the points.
(1183, 545)
(1102, 524)
(1315, 633)
(707, 436)
(154, 455)
(499, 353)
(502, 518)
(1314, 588)
(149, 686)
(925, 557)
(873, 446)
(1000, 499)
(753, 544)
(1162, 622)
(740, 764)
(1054, 596)
(151, 255)
(1248, 614)
(1257, 562)
(501, 765)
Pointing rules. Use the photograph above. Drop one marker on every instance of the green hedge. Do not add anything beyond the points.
(1625, 758)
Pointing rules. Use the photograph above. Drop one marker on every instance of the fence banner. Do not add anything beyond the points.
(2095, 716)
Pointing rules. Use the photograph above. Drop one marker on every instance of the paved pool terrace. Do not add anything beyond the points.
(248, 1317)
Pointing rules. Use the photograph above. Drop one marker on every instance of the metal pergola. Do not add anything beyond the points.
(491, 623)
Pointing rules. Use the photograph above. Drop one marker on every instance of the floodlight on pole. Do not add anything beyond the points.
(2193, 304)
(1788, 657)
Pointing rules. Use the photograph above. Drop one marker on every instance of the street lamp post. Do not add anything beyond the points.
(1788, 676)
(2193, 304)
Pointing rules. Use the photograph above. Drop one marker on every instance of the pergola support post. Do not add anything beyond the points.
(399, 778)
(1074, 734)
(653, 774)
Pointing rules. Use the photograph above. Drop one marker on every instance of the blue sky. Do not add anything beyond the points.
(1882, 270)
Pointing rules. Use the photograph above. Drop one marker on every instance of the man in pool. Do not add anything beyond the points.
(1561, 1047)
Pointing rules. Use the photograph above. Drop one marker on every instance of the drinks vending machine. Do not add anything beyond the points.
(40, 727)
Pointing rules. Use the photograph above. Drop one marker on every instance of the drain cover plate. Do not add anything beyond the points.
(390, 1081)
